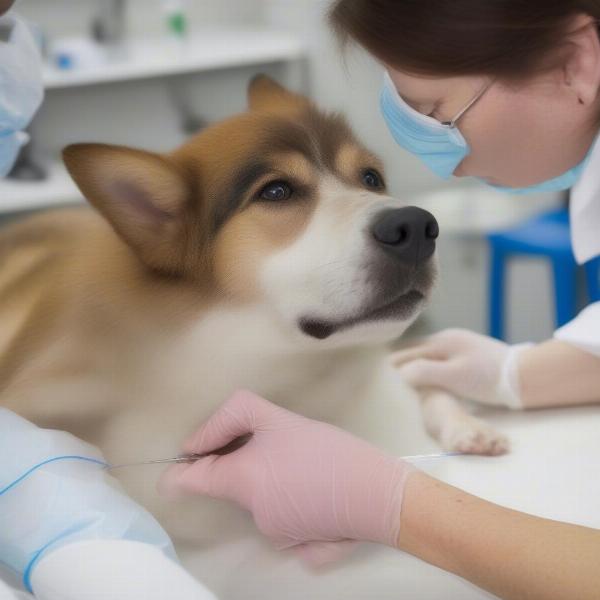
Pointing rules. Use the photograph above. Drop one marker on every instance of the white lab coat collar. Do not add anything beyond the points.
(585, 210)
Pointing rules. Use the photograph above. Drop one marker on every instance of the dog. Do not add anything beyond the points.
(263, 253)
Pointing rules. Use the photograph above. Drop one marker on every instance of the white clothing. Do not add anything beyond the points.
(109, 569)
(584, 330)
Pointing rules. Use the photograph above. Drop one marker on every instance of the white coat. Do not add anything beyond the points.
(584, 330)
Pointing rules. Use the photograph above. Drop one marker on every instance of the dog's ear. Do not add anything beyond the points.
(266, 95)
(142, 195)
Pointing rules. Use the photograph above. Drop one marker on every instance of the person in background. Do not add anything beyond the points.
(508, 92)
(21, 88)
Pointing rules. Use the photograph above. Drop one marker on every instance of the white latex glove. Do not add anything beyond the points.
(466, 364)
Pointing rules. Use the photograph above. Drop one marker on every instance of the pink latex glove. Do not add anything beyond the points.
(308, 485)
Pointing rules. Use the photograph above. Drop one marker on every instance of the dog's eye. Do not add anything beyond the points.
(277, 191)
(372, 179)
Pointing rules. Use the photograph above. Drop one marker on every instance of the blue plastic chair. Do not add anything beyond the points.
(546, 236)
(592, 269)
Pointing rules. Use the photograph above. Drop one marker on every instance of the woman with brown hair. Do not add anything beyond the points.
(507, 91)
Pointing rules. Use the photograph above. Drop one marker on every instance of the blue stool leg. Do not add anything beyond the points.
(496, 292)
(592, 269)
(565, 289)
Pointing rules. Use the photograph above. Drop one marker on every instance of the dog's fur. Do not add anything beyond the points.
(129, 327)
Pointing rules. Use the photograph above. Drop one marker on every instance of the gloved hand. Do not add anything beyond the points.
(309, 485)
(466, 364)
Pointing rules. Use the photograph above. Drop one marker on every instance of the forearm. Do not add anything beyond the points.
(558, 374)
(511, 554)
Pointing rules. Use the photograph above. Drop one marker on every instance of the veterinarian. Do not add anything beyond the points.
(508, 92)
(67, 531)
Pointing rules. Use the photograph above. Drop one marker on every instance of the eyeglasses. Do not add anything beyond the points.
(452, 123)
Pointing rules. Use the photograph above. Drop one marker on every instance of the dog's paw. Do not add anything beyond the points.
(470, 435)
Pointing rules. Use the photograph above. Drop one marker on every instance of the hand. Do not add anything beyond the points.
(465, 364)
(309, 485)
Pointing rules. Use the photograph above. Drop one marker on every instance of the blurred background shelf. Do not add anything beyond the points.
(203, 51)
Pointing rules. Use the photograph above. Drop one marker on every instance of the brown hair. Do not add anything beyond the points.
(508, 39)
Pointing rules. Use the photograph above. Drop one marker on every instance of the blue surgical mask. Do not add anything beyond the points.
(441, 146)
(21, 88)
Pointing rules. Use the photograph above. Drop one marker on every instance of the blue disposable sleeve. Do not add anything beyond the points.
(54, 490)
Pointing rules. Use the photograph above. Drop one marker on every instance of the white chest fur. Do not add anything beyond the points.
(185, 377)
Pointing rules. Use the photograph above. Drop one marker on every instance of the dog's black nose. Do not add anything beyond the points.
(408, 233)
